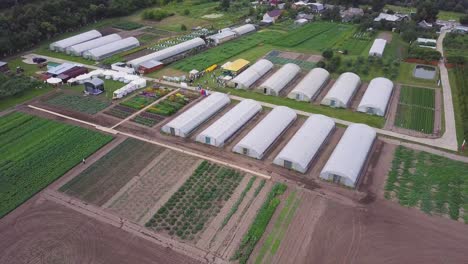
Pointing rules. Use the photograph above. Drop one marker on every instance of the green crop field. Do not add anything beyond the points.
(459, 84)
(37, 151)
(434, 184)
(303, 34)
(200, 199)
(327, 39)
(84, 104)
(416, 109)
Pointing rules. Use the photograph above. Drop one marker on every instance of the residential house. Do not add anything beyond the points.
(271, 16)
(303, 15)
(351, 13)
(425, 25)
(393, 18)
(4, 66)
(317, 7)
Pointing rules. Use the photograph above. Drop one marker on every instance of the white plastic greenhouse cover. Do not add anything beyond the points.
(252, 74)
(111, 48)
(168, 52)
(264, 134)
(342, 90)
(61, 45)
(280, 78)
(305, 144)
(310, 85)
(244, 29)
(378, 47)
(350, 155)
(196, 115)
(376, 97)
(78, 49)
(230, 123)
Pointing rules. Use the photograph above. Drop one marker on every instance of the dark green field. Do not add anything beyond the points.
(416, 109)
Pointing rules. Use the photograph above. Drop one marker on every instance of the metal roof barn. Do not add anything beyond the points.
(265, 133)
(244, 29)
(78, 49)
(185, 123)
(309, 87)
(376, 97)
(168, 52)
(252, 74)
(342, 90)
(61, 45)
(347, 160)
(221, 130)
(110, 49)
(305, 144)
(280, 79)
(378, 48)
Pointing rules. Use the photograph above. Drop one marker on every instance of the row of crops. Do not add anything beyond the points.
(416, 109)
(170, 105)
(196, 202)
(434, 184)
(35, 152)
(83, 104)
(303, 34)
(145, 98)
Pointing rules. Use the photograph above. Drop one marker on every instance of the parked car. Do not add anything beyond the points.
(39, 60)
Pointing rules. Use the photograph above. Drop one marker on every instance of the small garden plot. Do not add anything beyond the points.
(148, 119)
(120, 111)
(79, 103)
(416, 109)
(198, 201)
(37, 151)
(434, 184)
(145, 98)
(127, 25)
(170, 105)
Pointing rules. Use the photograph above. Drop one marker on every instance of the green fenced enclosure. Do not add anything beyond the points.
(416, 109)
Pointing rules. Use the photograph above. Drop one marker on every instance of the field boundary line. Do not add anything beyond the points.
(191, 153)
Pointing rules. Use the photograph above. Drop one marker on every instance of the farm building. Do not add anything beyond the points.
(244, 29)
(264, 134)
(185, 123)
(4, 66)
(347, 160)
(168, 52)
(221, 130)
(378, 48)
(376, 97)
(150, 66)
(305, 144)
(110, 49)
(235, 67)
(78, 49)
(94, 86)
(342, 90)
(310, 85)
(280, 79)
(61, 45)
(222, 36)
(252, 74)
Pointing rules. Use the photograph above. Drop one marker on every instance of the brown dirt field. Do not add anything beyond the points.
(386, 35)
(289, 55)
(356, 98)
(315, 58)
(318, 98)
(106, 177)
(50, 233)
(138, 197)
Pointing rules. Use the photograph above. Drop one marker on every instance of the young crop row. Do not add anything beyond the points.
(37, 151)
(79, 103)
(415, 118)
(120, 111)
(235, 206)
(200, 199)
(422, 97)
(259, 225)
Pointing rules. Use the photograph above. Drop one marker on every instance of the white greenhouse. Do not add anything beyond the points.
(61, 45)
(168, 52)
(225, 127)
(252, 74)
(378, 48)
(280, 79)
(185, 123)
(78, 49)
(244, 29)
(342, 90)
(309, 87)
(265, 133)
(110, 49)
(350, 155)
(376, 97)
(305, 144)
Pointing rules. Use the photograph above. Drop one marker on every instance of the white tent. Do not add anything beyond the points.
(305, 144)
(342, 91)
(347, 160)
(110, 49)
(221, 130)
(280, 79)
(309, 87)
(244, 29)
(252, 74)
(129, 88)
(185, 123)
(54, 80)
(378, 48)
(78, 49)
(61, 45)
(168, 52)
(376, 97)
(265, 133)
